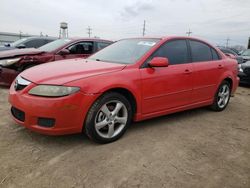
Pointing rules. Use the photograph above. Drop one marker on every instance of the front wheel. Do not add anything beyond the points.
(108, 118)
(222, 97)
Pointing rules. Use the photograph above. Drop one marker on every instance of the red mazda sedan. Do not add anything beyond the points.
(132, 79)
(12, 62)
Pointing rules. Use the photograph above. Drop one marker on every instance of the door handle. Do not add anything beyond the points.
(220, 66)
(187, 71)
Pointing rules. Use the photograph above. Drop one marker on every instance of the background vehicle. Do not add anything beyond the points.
(29, 42)
(12, 62)
(232, 52)
(132, 79)
(244, 72)
(245, 55)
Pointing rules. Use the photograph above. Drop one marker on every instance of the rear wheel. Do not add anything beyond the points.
(108, 118)
(222, 97)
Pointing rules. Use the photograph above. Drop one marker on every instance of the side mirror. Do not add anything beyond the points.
(159, 62)
(64, 52)
(7, 44)
(21, 46)
(230, 55)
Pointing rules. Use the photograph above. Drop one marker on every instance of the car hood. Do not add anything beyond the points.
(62, 72)
(245, 57)
(3, 48)
(245, 65)
(19, 52)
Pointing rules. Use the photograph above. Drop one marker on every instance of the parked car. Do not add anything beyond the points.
(245, 55)
(12, 62)
(244, 72)
(230, 51)
(132, 79)
(29, 42)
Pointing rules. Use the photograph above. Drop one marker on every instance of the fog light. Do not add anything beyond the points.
(46, 122)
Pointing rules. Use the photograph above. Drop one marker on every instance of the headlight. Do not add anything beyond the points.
(240, 68)
(53, 91)
(8, 62)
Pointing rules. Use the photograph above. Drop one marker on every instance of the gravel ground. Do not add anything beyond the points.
(196, 148)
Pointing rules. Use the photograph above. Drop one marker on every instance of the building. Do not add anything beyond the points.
(6, 37)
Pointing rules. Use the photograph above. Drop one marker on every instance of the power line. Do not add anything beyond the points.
(89, 31)
(144, 28)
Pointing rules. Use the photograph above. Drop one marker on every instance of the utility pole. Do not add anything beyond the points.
(228, 39)
(89, 31)
(144, 28)
(189, 32)
(20, 34)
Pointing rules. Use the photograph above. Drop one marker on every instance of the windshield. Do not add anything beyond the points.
(18, 42)
(126, 51)
(54, 45)
(246, 53)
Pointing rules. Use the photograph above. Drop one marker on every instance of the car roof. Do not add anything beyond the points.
(42, 37)
(88, 39)
(169, 37)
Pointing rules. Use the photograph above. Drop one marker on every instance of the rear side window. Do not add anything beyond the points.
(215, 54)
(200, 51)
(176, 51)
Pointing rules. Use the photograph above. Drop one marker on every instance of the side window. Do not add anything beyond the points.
(200, 51)
(101, 45)
(81, 48)
(215, 54)
(35, 43)
(176, 51)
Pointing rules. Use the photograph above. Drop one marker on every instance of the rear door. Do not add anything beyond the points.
(77, 50)
(169, 87)
(208, 68)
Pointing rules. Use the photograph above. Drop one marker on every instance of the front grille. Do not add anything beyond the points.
(18, 114)
(247, 70)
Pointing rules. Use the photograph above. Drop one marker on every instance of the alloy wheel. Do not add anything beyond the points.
(111, 119)
(223, 96)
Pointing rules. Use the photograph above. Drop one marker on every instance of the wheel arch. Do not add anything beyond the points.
(126, 93)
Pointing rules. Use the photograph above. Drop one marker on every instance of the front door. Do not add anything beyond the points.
(169, 87)
(77, 50)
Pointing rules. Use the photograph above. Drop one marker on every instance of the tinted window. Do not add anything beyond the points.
(101, 45)
(176, 52)
(215, 54)
(81, 48)
(34, 43)
(200, 51)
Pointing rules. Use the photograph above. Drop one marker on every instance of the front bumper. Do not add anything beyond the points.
(7, 76)
(67, 112)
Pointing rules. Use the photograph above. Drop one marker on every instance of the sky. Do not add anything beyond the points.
(211, 20)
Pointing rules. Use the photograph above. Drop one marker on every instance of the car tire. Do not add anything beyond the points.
(108, 118)
(222, 97)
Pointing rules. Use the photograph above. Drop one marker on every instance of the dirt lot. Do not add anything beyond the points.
(197, 148)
